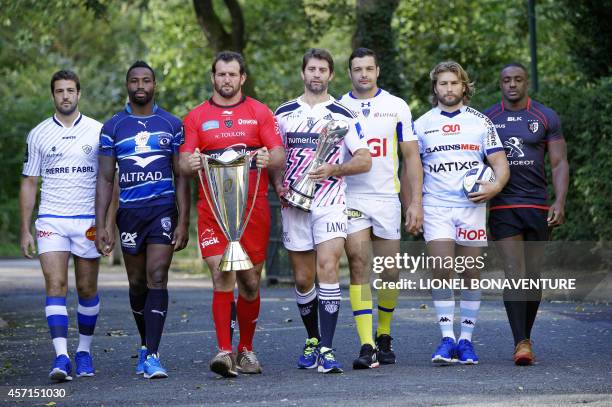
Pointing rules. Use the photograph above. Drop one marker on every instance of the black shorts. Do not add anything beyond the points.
(141, 226)
(530, 222)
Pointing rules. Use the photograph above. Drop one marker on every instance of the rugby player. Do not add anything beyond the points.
(142, 141)
(315, 239)
(452, 139)
(231, 120)
(520, 211)
(62, 150)
(374, 210)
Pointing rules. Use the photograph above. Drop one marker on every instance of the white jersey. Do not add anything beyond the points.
(67, 160)
(300, 126)
(386, 120)
(450, 144)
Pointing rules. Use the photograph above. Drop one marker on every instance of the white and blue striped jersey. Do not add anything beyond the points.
(300, 126)
(385, 120)
(66, 158)
(450, 144)
(143, 147)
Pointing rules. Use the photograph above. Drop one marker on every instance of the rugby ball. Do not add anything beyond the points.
(480, 172)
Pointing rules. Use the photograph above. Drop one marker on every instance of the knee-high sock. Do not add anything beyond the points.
(87, 315)
(247, 312)
(535, 297)
(155, 312)
(387, 301)
(329, 307)
(469, 306)
(444, 302)
(308, 306)
(57, 320)
(137, 302)
(222, 314)
(361, 303)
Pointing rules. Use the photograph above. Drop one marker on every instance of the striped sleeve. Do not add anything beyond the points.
(31, 159)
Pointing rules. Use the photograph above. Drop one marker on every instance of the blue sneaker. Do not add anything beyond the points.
(153, 368)
(465, 351)
(445, 353)
(84, 364)
(328, 362)
(142, 356)
(61, 370)
(308, 359)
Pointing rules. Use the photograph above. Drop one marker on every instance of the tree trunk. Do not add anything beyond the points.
(218, 37)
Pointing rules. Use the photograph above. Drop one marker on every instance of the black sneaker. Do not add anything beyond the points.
(366, 359)
(384, 350)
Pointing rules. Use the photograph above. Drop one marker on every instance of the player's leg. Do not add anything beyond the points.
(247, 308)
(328, 262)
(358, 251)
(136, 269)
(86, 273)
(55, 271)
(303, 265)
(469, 304)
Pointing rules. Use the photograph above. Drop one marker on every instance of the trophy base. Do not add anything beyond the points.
(298, 200)
(235, 258)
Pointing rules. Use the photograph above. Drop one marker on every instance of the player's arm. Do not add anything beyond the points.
(499, 164)
(27, 200)
(557, 154)
(276, 169)
(183, 200)
(104, 196)
(361, 161)
(411, 191)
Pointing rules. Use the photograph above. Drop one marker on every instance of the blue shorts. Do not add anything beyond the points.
(139, 227)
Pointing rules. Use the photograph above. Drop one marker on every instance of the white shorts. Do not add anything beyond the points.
(466, 226)
(302, 230)
(76, 236)
(383, 216)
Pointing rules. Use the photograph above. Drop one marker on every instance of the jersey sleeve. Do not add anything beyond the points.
(355, 139)
(418, 131)
(31, 159)
(178, 136)
(405, 126)
(269, 131)
(190, 134)
(490, 139)
(281, 128)
(107, 140)
(553, 132)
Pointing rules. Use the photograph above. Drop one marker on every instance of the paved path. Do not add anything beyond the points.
(573, 344)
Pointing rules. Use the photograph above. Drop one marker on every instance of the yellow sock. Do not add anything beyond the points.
(387, 300)
(361, 303)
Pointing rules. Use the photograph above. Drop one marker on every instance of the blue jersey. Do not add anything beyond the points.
(143, 147)
(525, 134)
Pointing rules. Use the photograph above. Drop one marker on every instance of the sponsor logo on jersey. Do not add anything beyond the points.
(226, 113)
(210, 125)
(500, 126)
(514, 119)
(514, 147)
(166, 223)
(452, 166)
(143, 123)
(385, 114)
(42, 234)
(302, 140)
(471, 234)
(53, 153)
(335, 227)
(69, 138)
(450, 129)
(68, 170)
(328, 117)
(533, 126)
(140, 176)
(207, 238)
(230, 134)
(142, 162)
(453, 147)
(248, 122)
(128, 239)
(353, 214)
(228, 123)
(432, 131)
(90, 233)
(87, 149)
(141, 139)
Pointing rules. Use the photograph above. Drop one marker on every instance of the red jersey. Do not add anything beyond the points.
(245, 126)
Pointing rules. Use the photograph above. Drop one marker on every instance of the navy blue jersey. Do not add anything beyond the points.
(143, 147)
(525, 135)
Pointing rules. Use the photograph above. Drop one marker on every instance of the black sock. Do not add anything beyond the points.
(156, 308)
(137, 302)
(308, 306)
(532, 312)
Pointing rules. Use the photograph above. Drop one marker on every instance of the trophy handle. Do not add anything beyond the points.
(208, 200)
(248, 217)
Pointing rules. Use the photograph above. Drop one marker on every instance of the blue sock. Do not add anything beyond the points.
(329, 307)
(469, 304)
(155, 311)
(87, 315)
(57, 319)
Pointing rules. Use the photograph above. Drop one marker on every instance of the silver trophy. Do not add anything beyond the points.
(301, 192)
(226, 190)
